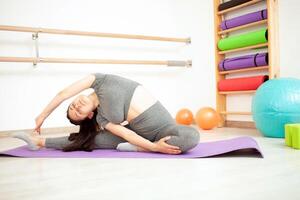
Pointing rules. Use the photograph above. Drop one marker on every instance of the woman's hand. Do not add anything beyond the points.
(162, 147)
(38, 123)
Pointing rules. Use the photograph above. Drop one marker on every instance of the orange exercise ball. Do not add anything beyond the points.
(207, 118)
(184, 116)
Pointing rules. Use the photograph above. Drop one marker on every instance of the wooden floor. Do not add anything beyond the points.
(277, 176)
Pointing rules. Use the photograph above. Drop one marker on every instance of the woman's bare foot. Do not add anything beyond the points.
(33, 142)
(37, 140)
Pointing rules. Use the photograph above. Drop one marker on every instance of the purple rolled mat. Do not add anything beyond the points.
(202, 150)
(255, 60)
(244, 19)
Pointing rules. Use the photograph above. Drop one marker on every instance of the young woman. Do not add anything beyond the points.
(120, 114)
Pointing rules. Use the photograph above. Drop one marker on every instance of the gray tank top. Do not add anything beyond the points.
(114, 93)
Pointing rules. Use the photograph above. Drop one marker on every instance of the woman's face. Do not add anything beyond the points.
(80, 108)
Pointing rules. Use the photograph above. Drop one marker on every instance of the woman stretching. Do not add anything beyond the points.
(120, 114)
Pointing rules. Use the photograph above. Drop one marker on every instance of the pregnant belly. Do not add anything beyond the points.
(141, 100)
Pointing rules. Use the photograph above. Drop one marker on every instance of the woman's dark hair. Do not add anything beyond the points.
(84, 139)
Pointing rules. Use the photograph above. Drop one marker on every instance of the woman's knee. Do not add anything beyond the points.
(185, 137)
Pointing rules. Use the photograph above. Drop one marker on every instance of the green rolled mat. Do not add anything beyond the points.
(244, 40)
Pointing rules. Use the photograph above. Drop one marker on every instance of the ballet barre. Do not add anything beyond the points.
(93, 34)
(34, 60)
(37, 59)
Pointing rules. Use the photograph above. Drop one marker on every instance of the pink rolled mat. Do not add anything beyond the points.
(206, 149)
(237, 84)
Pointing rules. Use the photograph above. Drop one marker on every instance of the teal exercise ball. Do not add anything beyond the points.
(276, 103)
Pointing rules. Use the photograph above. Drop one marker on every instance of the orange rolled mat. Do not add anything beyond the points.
(246, 83)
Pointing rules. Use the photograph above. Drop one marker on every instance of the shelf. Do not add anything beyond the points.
(271, 46)
(245, 48)
(244, 70)
(238, 7)
(235, 113)
(238, 92)
(265, 21)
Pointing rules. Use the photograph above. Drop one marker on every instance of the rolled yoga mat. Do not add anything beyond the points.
(230, 4)
(244, 19)
(237, 84)
(202, 150)
(244, 40)
(241, 62)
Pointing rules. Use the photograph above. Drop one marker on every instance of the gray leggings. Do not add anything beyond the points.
(153, 124)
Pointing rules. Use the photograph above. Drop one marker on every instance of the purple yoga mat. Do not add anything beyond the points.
(244, 19)
(255, 60)
(201, 150)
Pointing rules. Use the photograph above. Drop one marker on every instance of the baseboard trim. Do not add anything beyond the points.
(240, 124)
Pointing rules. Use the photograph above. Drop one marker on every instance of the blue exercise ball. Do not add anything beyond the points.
(276, 103)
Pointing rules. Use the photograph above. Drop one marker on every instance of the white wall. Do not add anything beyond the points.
(25, 91)
(289, 31)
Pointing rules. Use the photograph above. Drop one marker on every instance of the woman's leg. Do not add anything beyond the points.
(107, 140)
(156, 122)
(104, 140)
(57, 142)
(185, 137)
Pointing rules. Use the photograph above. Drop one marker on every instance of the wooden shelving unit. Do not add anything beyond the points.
(235, 113)
(272, 70)
(238, 92)
(244, 70)
(238, 7)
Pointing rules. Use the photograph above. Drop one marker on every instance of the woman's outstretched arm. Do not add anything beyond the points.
(135, 139)
(64, 94)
